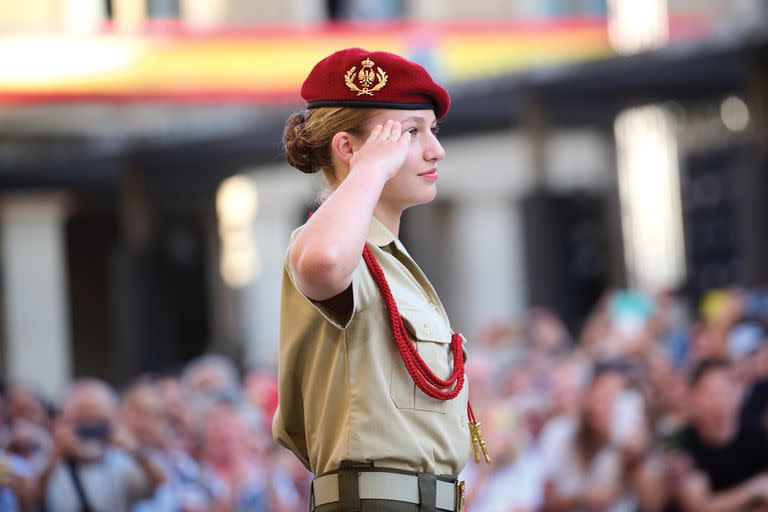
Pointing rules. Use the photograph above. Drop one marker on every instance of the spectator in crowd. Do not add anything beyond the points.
(98, 466)
(183, 422)
(25, 403)
(242, 484)
(260, 393)
(748, 350)
(584, 462)
(144, 415)
(546, 333)
(210, 378)
(298, 479)
(17, 487)
(31, 443)
(728, 464)
(517, 459)
(667, 394)
(15, 481)
(238, 466)
(567, 382)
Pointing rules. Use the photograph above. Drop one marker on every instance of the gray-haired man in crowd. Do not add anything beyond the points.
(97, 467)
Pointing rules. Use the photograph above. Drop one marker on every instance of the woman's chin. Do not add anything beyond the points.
(428, 195)
(423, 196)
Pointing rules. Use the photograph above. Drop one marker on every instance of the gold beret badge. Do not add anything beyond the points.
(366, 77)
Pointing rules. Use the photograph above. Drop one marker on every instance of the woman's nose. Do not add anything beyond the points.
(434, 152)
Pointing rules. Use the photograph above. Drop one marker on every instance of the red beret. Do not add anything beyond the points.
(358, 78)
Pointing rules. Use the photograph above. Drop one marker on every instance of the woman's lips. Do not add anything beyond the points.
(430, 174)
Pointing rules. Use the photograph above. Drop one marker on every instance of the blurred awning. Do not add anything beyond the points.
(168, 62)
(172, 63)
(593, 92)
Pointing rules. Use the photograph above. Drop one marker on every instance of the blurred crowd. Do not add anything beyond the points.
(653, 406)
(199, 441)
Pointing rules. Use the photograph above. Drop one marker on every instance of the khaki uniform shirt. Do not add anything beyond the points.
(344, 392)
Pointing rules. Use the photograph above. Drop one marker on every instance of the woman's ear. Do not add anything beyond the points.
(343, 146)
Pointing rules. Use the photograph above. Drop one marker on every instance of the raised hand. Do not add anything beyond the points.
(65, 442)
(384, 151)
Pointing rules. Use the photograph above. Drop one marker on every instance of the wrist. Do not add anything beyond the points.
(139, 453)
(136, 451)
(369, 171)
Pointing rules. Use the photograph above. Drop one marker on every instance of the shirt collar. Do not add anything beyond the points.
(378, 234)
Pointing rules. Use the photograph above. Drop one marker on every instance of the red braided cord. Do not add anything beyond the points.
(422, 375)
(471, 413)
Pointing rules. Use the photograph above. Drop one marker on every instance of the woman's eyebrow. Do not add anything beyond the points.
(419, 120)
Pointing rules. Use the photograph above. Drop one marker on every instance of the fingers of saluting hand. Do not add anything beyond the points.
(386, 131)
(391, 131)
(375, 132)
(397, 132)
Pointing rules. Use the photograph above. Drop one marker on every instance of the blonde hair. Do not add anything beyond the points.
(308, 134)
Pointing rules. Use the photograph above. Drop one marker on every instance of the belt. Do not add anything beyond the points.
(382, 485)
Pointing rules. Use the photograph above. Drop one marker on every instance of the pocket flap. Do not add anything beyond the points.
(426, 325)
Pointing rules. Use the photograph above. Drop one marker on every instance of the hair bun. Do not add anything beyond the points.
(298, 150)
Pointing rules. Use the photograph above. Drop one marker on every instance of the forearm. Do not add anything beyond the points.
(154, 473)
(31, 501)
(648, 486)
(41, 482)
(554, 501)
(560, 504)
(328, 248)
(726, 501)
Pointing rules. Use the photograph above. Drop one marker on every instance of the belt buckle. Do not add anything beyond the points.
(460, 493)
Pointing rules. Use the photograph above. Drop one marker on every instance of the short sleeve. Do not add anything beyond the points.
(339, 310)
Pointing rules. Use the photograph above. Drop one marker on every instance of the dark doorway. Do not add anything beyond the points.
(567, 244)
(136, 310)
(160, 299)
(90, 237)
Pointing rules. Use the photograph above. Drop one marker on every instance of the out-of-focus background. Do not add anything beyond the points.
(599, 236)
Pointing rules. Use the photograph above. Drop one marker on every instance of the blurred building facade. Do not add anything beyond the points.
(730, 15)
(137, 234)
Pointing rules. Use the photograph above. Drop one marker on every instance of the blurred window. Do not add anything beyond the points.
(365, 9)
(574, 7)
(162, 9)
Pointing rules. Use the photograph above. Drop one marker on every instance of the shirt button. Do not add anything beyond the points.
(433, 306)
(426, 330)
(464, 421)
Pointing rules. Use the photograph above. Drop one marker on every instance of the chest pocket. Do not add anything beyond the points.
(432, 336)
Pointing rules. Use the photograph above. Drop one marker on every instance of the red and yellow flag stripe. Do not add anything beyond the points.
(172, 63)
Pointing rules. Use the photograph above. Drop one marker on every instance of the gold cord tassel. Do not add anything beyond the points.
(478, 443)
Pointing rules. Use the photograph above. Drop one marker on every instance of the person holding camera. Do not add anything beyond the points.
(97, 467)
